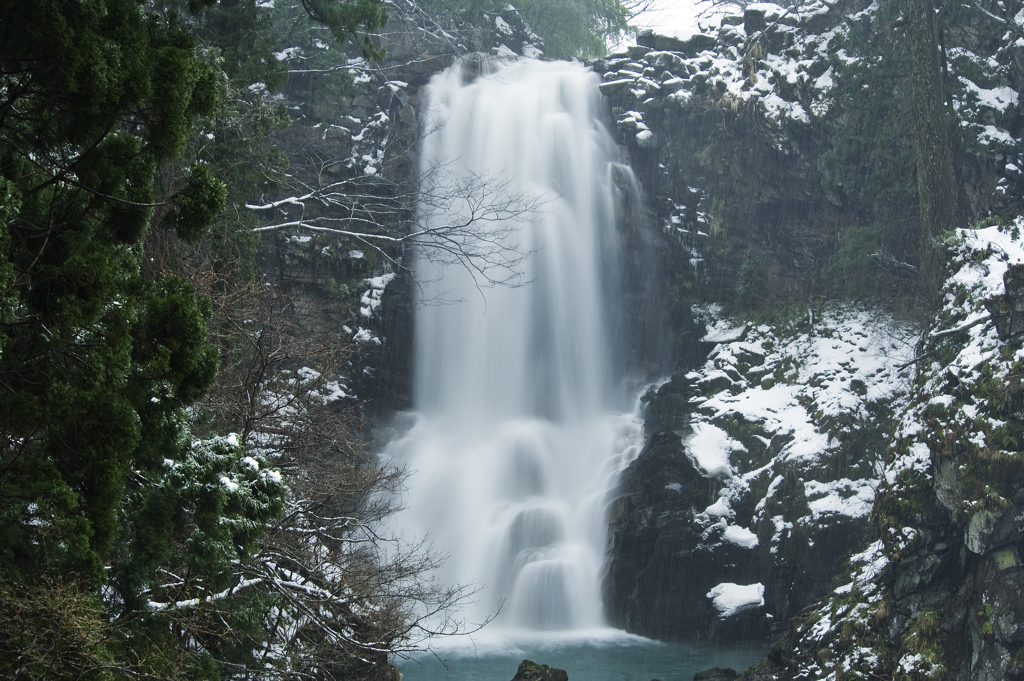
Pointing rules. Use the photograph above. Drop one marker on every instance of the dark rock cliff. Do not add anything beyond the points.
(939, 595)
(756, 479)
(736, 136)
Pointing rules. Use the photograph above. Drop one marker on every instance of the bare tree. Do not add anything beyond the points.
(341, 596)
(356, 177)
(468, 220)
(364, 187)
(740, 5)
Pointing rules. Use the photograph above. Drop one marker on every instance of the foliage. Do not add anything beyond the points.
(329, 594)
(873, 125)
(188, 528)
(740, 5)
(95, 96)
(100, 360)
(197, 204)
(320, 70)
(50, 629)
(137, 540)
(239, 32)
(347, 19)
(568, 28)
(937, 192)
(752, 287)
(576, 28)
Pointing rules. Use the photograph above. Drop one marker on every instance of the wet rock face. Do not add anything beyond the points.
(716, 674)
(727, 139)
(661, 567)
(734, 133)
(723, 176)
(665, 557)
(690, 47)
(757, 478)
(385, 379)
(1007, 310)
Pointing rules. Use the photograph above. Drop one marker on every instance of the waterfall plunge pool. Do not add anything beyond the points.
(587, 655)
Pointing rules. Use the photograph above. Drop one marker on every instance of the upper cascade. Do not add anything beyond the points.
(521, 154)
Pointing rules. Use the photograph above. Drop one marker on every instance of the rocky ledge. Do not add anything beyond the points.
(940, 593)
(758, 475)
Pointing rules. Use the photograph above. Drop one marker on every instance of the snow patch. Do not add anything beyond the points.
(740, 536)
(729, 598)
(709, 446)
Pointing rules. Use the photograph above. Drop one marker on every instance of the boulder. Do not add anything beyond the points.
(689, 534)
(716, 674)
(660, 556)
(1013, 282)
(754, 20)
(531, 671)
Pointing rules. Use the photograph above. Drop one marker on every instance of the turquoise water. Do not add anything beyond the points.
(601, 657)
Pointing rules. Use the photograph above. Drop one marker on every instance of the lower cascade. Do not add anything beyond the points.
(519, 431)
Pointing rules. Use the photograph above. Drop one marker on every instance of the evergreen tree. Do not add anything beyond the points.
(99, 362)
(576, 28)
(96, 96)
(133, 540)
(936, 187)
(869, 163)
(569, 28)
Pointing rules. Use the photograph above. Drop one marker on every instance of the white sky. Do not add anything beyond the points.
(672, 17)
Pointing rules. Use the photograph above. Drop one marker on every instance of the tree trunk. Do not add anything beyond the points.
(936, 188)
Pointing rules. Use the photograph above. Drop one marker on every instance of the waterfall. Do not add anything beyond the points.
(518, 440)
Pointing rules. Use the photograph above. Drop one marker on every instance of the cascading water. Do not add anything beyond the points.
(517, 441)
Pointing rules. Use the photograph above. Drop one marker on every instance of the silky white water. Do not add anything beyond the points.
(517, 440)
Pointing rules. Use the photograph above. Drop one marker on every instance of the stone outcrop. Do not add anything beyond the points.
(729, 133)
(939, 595)
(531, 671)
(725, 176)
(756, 480)
(1007, 310)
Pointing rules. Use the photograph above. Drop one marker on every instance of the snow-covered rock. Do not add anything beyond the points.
(760, 469)
(939, 594)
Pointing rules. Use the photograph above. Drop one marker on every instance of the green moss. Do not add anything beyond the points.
(926, 638)
(752, 283)
(961, 296)
(1006, 559)
(786, 371)
(904, 502)
(935, 410)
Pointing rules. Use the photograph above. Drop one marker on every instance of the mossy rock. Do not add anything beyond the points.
(531, 671)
